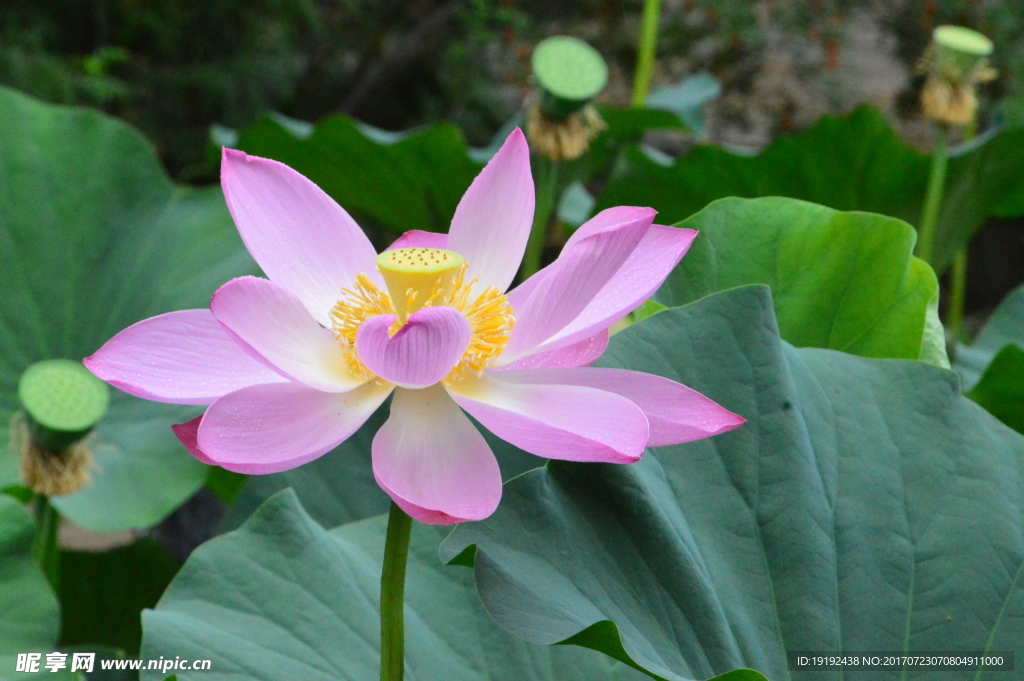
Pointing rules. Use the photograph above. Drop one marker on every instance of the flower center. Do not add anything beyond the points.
(417, 278)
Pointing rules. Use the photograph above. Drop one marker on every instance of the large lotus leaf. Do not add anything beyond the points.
(408, 181)
(1001, 388)
(851, 163)
(9, 663)
(93, 238)
(993, 366)
(865, 505)
(843, 281)
(281, 598)
(1004, 327)
(29, 614)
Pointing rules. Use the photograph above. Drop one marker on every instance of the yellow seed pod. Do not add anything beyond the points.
(417, 277)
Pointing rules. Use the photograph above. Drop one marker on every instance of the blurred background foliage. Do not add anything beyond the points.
(175, 67)
(179, 69)
(190, 71)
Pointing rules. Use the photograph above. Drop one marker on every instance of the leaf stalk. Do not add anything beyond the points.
(645, 53)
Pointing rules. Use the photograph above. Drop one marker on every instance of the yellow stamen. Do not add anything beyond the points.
(362, 301)
(491, 320)
(418, 277)
(489, 315)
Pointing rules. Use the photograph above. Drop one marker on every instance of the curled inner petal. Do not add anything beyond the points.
(423, 351)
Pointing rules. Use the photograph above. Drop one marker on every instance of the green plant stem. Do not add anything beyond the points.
(933, 197)
(392, 595)
(645, 53)
(957, 291)
(958, 273)
(546, 172)
(45, 548)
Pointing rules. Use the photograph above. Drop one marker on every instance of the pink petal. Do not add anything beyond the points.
(492, 222)
(607, 219)
(188, 435)
(181, 357)
(575, 423)
(303, 240)
(579, 354)
(421, 353)
(675, 413)
(640, 276)
(273, 428)
(272, 325)
(433, 462)
(417, 238)
(565, 287)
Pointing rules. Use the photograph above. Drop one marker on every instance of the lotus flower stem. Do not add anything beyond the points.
(645, 53)
(933, 197)
(547, 194)
(45, 548)
(392, 595)
(958, 272)
(957, 291)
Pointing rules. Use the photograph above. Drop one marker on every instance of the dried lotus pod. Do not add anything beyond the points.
(956, 61)
(560, 120)
(566, 139)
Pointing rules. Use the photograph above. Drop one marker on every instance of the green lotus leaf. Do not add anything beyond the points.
(865, 505)
(852, 163)
(9, 663)
(1001, 388)
(29, 614)
(94, 237)
(1005, 327)
(282, 598)
(842, 281)
(992, 367)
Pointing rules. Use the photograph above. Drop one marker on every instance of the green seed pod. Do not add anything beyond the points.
(62, 401)
(569, 73)
(959, 53)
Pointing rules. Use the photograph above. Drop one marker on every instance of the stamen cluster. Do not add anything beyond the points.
(489, 315)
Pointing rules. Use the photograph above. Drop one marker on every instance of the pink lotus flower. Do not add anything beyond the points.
(292, 366)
